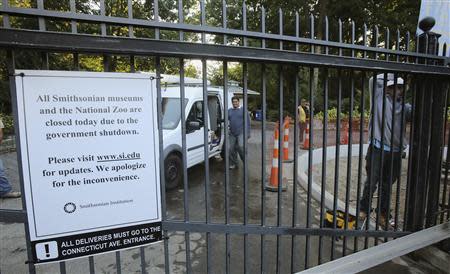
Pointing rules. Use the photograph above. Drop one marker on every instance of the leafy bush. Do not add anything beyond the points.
(332, 114)
(8, 122)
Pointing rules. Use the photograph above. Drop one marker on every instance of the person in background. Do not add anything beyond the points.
(5, 186)
(393, 104)
(236, 132)
(302, 110)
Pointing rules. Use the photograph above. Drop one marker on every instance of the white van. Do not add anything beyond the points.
(172, 134)
(171, 117)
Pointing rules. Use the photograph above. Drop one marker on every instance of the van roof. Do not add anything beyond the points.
(173, 81)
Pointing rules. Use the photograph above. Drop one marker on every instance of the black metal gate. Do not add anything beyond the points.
(245, 228)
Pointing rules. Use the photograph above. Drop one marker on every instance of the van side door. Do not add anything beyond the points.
(195, 127)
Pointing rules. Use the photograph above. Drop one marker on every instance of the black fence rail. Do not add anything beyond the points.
(377, 120)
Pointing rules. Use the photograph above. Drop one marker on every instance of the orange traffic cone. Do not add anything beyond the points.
(306, 139)
(287, 122)
(273, 181)
(344, 137)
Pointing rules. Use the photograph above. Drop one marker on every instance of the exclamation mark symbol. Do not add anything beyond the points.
(47, 250)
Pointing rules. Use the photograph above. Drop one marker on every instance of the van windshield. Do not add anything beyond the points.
(171, 112)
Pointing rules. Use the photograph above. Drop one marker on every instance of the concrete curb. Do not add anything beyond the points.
(316, 189)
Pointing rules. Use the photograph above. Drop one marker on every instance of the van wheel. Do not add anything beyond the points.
(173, 171)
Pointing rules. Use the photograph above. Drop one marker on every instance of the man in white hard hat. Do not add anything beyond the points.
(384, 141)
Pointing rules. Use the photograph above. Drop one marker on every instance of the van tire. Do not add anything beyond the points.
(173, 171)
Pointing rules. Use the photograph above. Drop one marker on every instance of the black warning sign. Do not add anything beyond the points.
(75, 246)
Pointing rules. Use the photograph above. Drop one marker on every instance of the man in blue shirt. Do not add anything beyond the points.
(236, 132)
(385, 148)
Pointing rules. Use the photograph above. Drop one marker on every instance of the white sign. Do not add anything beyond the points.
(90, 161)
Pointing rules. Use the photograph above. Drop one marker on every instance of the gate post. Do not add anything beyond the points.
(427, 139)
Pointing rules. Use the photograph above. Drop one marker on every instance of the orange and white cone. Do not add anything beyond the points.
(286, 159)
(273, 181)
(306, 139)
(344, 138)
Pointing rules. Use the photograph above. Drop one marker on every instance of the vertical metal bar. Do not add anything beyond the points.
(402, 132)
(324, 157)
(41, 20)
(381, 171)
(336, 167)
(360, 158)
(244, 21)
(263, 26)
(263, 169)
(44, 59)
(392, 155)
(295, 175)
(206, 158)
(353, 37)
(407, 41)
(387, 44)
(11, 66)
(410, 181)
(417, 48)
(372, 145)
(161, 168)
(91, 265)
(132, 64)
(375, 39)
(181, 18)
(227, 164)
(297, 29)
(311, 29)
(246, 125)
(435, 152)
(6, 24)
(365, 39)
(397, 44)
(326, 34)
(76, 61)
(130, 16)
(203, 19)
(310, 155)
(349, 160)
(118, 265)
(280, 26)
(184, 158)
(62, 268)
(73, 10)
(280, 171)
(340, 35)
(382, 158)
(224, 19)
(156, 17)
(103, 13)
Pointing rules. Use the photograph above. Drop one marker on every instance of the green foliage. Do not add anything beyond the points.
(332, 114)
(8, 122)
(401, 14)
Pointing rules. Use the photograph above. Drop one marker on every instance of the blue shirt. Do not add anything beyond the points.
(236, 118)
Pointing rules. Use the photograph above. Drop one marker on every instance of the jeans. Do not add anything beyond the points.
(236, 145)
(5, 186)
(373, 178)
